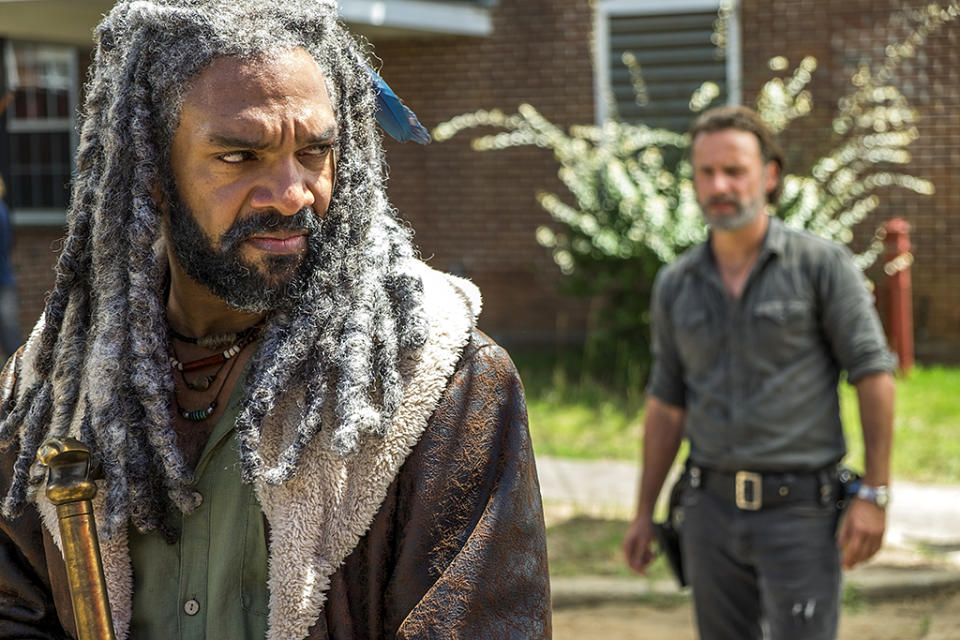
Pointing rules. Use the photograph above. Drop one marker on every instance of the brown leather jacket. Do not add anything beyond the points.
(456, 550)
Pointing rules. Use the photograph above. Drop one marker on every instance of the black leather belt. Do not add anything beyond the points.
(752, 490)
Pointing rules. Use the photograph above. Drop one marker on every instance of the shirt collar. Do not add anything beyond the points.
(774, 242)
(776, 238)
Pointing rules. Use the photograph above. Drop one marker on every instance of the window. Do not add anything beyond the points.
(42, 86)
(674, 52)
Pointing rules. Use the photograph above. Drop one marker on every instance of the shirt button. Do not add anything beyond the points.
(197, 498)
(191, 607)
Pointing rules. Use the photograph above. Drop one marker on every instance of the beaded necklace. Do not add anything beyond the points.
(216, 341)
(218, 358)
(199, 415)
(244, 338)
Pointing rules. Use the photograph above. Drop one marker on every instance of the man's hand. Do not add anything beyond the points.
(662, 432)
(862, 531)
(637, 542)
(861, 534)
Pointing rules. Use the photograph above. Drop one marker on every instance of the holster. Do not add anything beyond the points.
(848, 483)
(669, 531)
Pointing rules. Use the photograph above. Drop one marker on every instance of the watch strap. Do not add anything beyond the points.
(878, 495)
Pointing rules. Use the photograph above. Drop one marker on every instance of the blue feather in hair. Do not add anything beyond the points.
(393, 116)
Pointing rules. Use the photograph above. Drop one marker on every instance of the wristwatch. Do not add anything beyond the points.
(879, 496)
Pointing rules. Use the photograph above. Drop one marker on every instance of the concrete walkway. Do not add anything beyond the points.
(921, 551)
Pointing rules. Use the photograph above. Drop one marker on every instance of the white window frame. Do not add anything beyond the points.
(607, 8)
(38, 216)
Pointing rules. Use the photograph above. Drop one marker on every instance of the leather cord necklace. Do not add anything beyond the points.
(203, 382)
(218, 358)
(216, 341)
(244, 338)
(199, 415)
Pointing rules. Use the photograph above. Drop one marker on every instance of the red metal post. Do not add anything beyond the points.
(897, 263)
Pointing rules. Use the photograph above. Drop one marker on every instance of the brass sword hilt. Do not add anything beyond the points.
(70, 486)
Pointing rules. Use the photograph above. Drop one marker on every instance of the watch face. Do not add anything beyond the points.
(882, 497)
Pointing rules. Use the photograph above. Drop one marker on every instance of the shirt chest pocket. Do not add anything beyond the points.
(784, 330)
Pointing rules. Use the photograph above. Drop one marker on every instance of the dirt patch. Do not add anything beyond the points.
(936, 617)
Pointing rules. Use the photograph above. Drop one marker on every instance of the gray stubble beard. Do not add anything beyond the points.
(744, 215)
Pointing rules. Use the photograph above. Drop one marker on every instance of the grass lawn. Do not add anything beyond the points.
(926, 426)
(573, 416)
(584, 545)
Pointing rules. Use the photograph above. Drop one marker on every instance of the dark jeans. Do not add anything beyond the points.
(771, 574)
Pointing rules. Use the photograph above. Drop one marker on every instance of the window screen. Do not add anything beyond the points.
(675, 55)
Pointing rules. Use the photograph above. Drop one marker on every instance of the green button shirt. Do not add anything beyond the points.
(212, 582)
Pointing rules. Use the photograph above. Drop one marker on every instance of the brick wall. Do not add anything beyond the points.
(475, 213)
(35, 253)
(841, 35)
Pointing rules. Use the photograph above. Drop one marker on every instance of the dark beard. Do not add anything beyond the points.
(277, 285)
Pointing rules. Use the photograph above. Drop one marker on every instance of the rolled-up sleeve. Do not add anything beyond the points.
(849, 319)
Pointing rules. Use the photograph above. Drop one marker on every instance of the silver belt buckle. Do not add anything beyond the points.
(754, 481)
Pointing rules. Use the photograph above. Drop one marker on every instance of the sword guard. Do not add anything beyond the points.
(71, 475)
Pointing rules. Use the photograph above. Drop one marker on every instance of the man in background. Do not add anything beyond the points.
(751, 331)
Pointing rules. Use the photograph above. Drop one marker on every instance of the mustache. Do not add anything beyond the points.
(305, 219)
(722, 200)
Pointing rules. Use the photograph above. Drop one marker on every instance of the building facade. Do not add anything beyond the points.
(475, 213)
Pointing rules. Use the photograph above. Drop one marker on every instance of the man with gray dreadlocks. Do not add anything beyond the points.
(301, 433)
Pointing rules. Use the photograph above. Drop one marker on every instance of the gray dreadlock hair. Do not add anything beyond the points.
(361, 310)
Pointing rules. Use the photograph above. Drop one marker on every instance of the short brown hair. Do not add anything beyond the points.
(744, 119)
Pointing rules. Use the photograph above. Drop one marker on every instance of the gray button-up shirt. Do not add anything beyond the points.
(758, 375)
